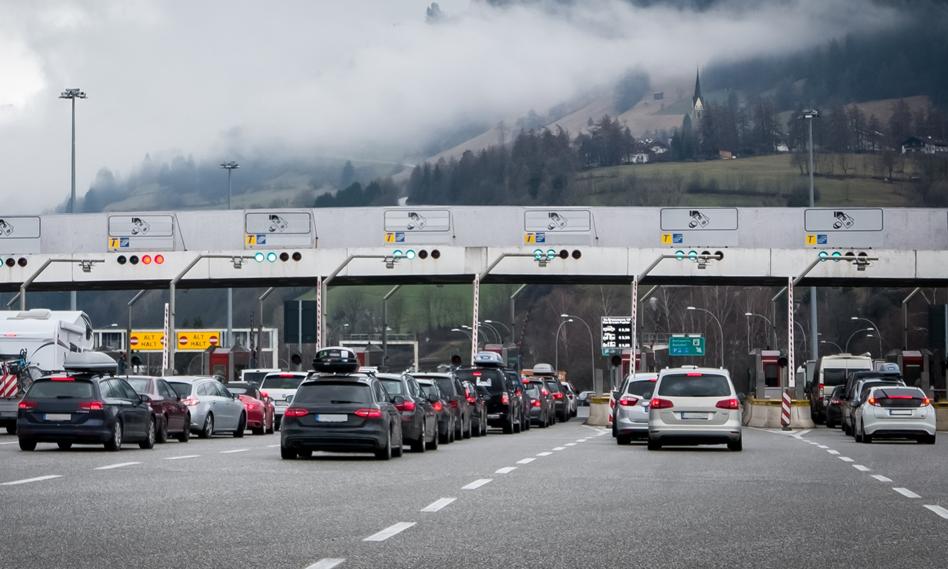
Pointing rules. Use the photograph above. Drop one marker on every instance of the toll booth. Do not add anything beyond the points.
(626, 363)
(765, 375)
(226, 362)
(915, 366)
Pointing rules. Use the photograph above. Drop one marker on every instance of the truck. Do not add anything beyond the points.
(34, 343)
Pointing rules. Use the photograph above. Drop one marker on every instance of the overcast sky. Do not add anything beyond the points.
(354, 78)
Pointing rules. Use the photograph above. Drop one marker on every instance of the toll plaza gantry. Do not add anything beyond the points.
(476, 245)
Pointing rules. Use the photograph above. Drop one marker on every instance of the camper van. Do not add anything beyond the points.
(830, 372)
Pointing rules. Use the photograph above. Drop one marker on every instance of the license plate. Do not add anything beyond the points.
(332, 418)
(702, 416)
(58, 417)
(901, 412)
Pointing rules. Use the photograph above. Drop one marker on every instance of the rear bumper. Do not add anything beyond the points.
(694, 434)
(498, 419)
(335, 439)
(906, 428)
(90, 433)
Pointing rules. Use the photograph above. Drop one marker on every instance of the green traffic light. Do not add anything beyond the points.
(398, 253)
(410, 254)
(272, 257)
(550, 254)
(258, 256)
(680, 255)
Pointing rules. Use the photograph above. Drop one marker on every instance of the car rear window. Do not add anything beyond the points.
(254, 376)
(900, 392)
(446, 385)
(393, 386)
(703, 385)
(139, 384)
(237, 390)
(280, 382)
(333, 393)
(490, 379)
(45, 389)
(427, 390)
(642, 388)
(832, 377)
(870, 384)
(533, 390)
(553, 385)
(182, 389)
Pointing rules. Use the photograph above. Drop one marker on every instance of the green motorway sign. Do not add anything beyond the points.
(683, 345)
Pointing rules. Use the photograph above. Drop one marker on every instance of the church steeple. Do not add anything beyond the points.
(697, 101)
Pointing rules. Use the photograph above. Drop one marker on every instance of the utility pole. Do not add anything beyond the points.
(230, 167)
(72, 95)
(809, 116)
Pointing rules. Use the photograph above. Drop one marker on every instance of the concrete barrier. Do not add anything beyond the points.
(941, 415)
(600, 413)
(765, 413)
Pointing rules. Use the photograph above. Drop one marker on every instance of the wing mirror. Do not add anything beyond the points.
(615, 395)
(398, 400)
(432, 398)
(144, 398)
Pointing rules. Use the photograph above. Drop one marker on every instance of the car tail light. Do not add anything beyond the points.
(820, 388)
(557, 396)
(437, 406)
(368, 413)
(535, 403)
(476, 374)
(406, 406)
(545, 392)
(628, 401)
(190, 401)
(472, 400)
(287, 375)
(925, 402)
(62, 378)
(694, 374)
(26, 405)
(159, 259)
(874, 402)
(659, 403)
(264, 394)
(92, 405)
(300, 412)
(900, 397)
(731, 403)
(504, 399)
(454, 403)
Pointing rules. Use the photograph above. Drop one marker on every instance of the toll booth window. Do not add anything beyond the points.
(772, 375)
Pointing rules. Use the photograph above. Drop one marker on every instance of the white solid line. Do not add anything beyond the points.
(581, 440)
(438, 505)
(327, 563)
(525, 460)
(803, 432)
(881, 478)
(544, 453)
(861, 468)
(182, 457)
(505, 470)
(822, 446)
(906, 492)
(9, 443)
(389, 531)
(559, 448)
(476, 484)
(570, 444)
(28, 480)
(272, 446)
(119, 465)
(831, 451)
(938, 510)
(845, 459)
(234, 451)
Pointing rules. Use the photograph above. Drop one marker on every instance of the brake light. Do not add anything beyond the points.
(437, 406)
(535, 403)
(471, 400)
(732, 404)
(900, 397)
(406, 406)
(476, 374)
(62, 378)
(925, 402)
(264, 394)
(659, 403)
(296, 412)
(504, 399)
(820, 387)
(874, 402)
(26, 405)
(190, 401)
(628, 401)
(368, 413)
(287, 375)
(557, 395)
(694, 374)
(545, 392)
(454, 403)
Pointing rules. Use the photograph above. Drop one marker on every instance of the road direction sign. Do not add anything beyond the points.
(685, 345)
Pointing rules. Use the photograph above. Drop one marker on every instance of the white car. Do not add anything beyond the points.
(692, 405)
(895, 411)
(630, 413)
(281, 387)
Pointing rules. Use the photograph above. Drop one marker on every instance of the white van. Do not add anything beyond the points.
(830, 372)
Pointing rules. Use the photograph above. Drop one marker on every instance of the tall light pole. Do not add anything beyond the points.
(506, 328)
(592, 347)
(876, 328)
(230, 167)
(72, 95)
(834, 344)
(770, 324)
(851, 336)
(556, 343)
(809, 115)
(720, 328)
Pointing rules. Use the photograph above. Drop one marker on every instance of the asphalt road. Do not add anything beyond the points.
(567, 496)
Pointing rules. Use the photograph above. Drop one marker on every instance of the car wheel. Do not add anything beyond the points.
(161, 434)
(484, 424)
(27, 444)
(623, 439)
(208, 430)
(433, 445)
(654, 444)
(385, 453)
(508, 426)
(272, 426)
(419, 445)
(241, 427)
(830, 424)
(517, 426)
(865, 438)
(288, 453)
(305, 453)
(277, 423)
(149, 440)
(115, 443)
(735, 445)
(185, 435)
(258, 431)
(11, 429)
(64, 446)
(927, 439)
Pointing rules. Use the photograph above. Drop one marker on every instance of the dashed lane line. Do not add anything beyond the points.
(861, 468)
(234, 451)
(881, 478)
(477, 484)
(182, 457)
(29, 480)
(831, 451)
(544, 453)
(559, 448)
(390, 531)
(272, 446)
(118, 465)
(327, 563)
(525, 460)
(942, 512)
(822, 446)
(438, 505)
(845, 459)
(906, 492)
(570, 444)
(505, 470)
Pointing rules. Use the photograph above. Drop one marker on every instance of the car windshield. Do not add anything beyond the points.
(60, 390)
(333, 394)
(282, 382)
(182, 389)
(490, 379)
(139, 384)
(694, 385)
(393, 386)
(642, 388)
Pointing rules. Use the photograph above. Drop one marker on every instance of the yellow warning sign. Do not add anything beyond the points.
(250, 240)
(530, 238)
(197, 340)
(666, 238)
(146, 340)
(390, 237)
(114, 243)
(810, 239)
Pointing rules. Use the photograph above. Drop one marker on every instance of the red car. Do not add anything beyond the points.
(172, 417)
(259, 406)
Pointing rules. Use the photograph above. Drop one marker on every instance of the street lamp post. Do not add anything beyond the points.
(556, 343)
(592, 346)
(851, 336)
(72, 95)
(809, 115)
(230, 167)
(874, 327)
(720, 328)
(770, 324)
(834, 344)
(385, 298)
(506, 328)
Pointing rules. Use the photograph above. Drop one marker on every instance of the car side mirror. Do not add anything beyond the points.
(615, 394)
(432, 398)
(144, 398)
(398, 400)
(289, 399)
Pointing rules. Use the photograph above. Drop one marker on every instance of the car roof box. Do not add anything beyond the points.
(545, 369)
(90, 362)
(488, 359)
(335, 360)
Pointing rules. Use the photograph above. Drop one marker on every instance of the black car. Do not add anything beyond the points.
(429, 388)
(503, 407)
(560, 403)
(477, 401)
(84, 408)
(453, 392)
(517, 382)
(419, 423)
(540, 402)
(833, 411)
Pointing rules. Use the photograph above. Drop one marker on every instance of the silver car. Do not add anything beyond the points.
(281, 386)
(692, 405)
(213, 409)
(630, 414)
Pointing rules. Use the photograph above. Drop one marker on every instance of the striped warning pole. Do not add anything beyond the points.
(791, 369)
(785, 411)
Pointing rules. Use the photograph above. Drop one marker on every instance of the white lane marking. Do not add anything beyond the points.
(570, 444)
(822, 446)
(831, 451)
(28, 480)
(581, 440)
(938, 510)
(559, 448)
(906, 492)
(525, 460)
(845, 459)
(236, 450)
(182, 457)
(272, 446)
(10, 443)
(861, 468)
(544, 453)
(327, 563)
(881, 478)
(388, 532)
(437, 505)
(505, 470)
(476, 484)
(119, 465)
